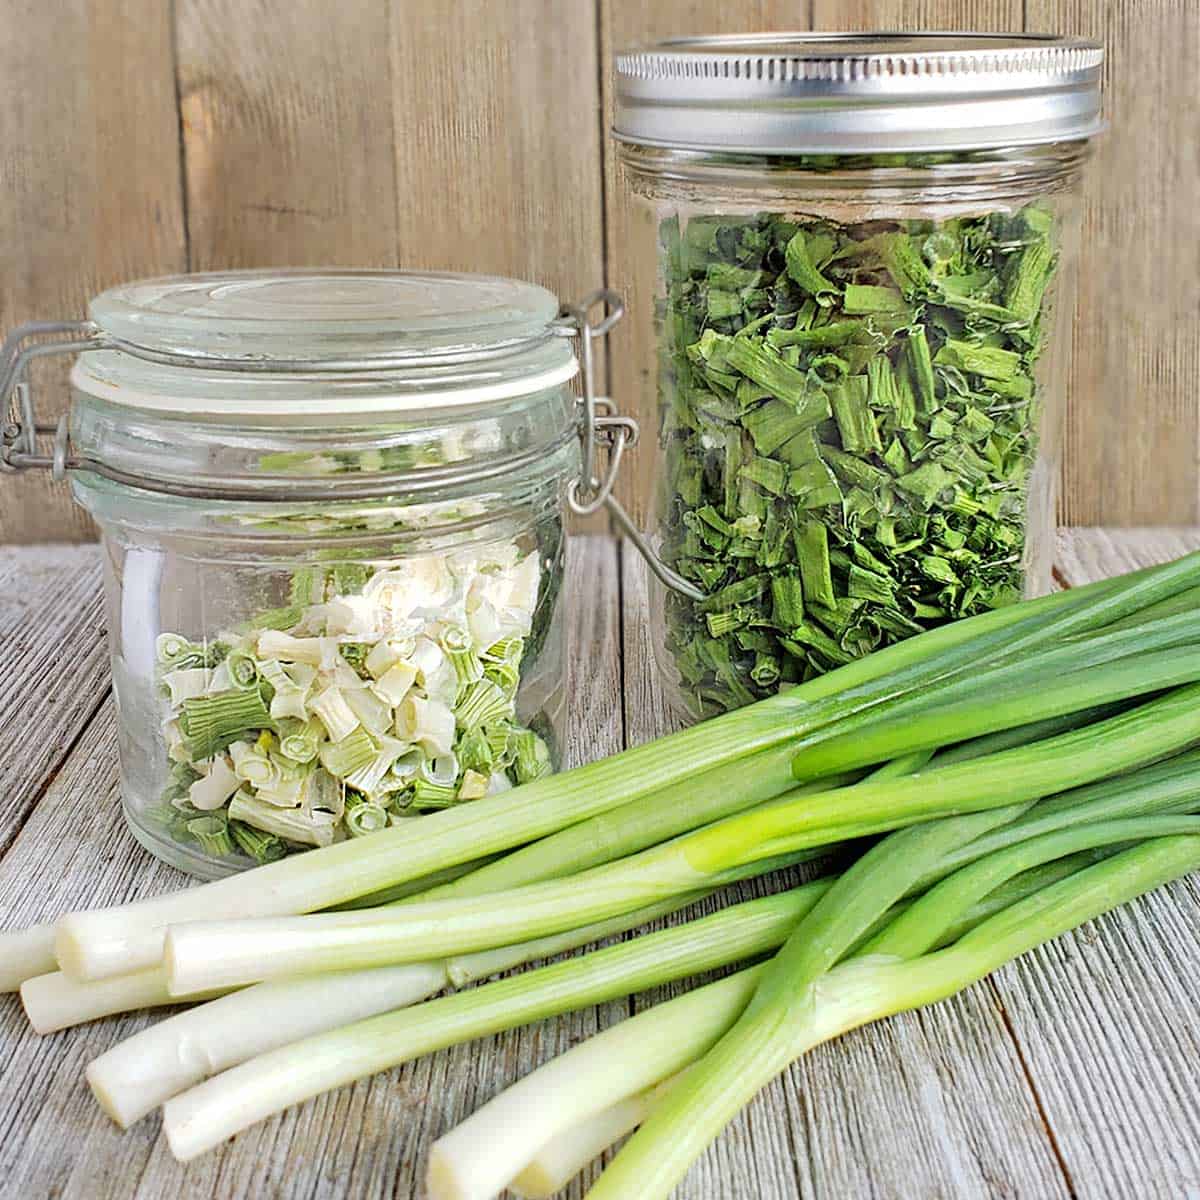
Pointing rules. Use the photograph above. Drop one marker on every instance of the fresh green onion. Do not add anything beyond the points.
(27, 953)
(221, 953)
(55, 1001)
(763, 1040)
(123, 939)
(627, 1068)
(163, 1060)
(213, 1111)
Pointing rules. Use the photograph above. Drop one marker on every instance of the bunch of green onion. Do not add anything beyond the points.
(1029, 768)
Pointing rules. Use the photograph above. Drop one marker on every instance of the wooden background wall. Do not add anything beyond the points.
(143, 136)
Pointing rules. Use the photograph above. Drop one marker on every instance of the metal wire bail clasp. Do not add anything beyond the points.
(20, 427)
(602, 424)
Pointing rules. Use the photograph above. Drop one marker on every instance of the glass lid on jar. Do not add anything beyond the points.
(326, 316)
(857, 93)
(285, 344)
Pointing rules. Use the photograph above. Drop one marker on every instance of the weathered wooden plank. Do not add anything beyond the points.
(926, 1104)
(365, 1141)
(89, 190)
(1131, 449)
(1106, 1016)
(53, 666)
(991, 15)
(287, 133)
(497, 140)
(1084, 555)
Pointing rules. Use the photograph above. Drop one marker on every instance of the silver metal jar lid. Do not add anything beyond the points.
(850, 93)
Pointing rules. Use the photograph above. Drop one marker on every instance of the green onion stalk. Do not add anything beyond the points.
(803, 999)
(554, 1164)
(681, 1069)
(55, 1001)
(205, 1115)
(206, 954)
(129, 937)
(852, 908)
(146, 1069)
(26, 953)
(138, 1074)
(551, 1124)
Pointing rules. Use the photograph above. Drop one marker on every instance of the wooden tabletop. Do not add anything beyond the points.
(1072, 1072)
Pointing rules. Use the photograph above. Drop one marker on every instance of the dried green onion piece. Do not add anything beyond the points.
(864, 419)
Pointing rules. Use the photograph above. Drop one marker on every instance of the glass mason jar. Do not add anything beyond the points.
(331, 505)
(857, 326)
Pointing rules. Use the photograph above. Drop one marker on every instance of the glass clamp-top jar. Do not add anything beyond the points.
(859, 330)
(332, 507)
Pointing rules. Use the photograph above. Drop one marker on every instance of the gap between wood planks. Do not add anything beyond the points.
(51, 775)
(1039, 1103)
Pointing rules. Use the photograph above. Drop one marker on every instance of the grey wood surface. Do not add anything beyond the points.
(1069, 1073)
(149, 136)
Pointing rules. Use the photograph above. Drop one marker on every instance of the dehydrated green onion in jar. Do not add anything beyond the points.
(864, 250)
(850, 421)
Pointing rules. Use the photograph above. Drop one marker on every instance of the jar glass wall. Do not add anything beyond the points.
(287, 675)
(859, 366)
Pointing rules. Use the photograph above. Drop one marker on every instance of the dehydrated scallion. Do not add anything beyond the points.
(294, 723)
(862, 417)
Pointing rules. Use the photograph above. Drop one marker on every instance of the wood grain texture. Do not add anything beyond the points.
(1106, 1016)
(891, 1110)
(498, 143)
(1134, 422)
(89, 190)
(498, 139)
(367, 1141)
(286, 112)
(999, 15)
(53, 667)
(471, 135)
(1100, 1025)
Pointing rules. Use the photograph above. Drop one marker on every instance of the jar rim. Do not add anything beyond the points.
(857, 93)
(108, 376)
